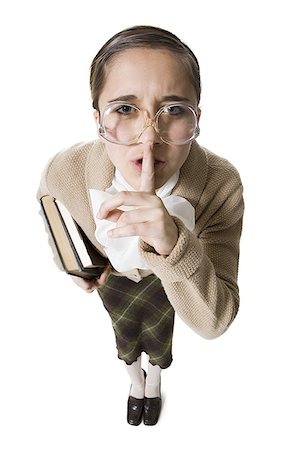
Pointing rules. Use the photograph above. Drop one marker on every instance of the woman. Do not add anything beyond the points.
(166, 212)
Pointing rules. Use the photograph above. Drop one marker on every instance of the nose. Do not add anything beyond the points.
(149, 135)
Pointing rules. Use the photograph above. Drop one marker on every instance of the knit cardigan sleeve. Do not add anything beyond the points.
(200, 274)
(42, 191)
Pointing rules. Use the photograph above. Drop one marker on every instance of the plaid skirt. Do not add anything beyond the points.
(142, 318)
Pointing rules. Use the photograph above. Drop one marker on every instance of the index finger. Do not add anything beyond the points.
(147, 181)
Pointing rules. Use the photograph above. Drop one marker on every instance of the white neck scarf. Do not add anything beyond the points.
(123, 253)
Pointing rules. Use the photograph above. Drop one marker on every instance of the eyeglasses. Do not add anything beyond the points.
(175, 123)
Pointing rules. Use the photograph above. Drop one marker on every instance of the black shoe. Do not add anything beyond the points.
(135, 409)
(152, 408)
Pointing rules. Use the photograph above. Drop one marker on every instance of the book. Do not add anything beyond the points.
(76, 252)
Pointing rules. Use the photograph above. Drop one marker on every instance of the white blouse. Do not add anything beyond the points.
(123, 252)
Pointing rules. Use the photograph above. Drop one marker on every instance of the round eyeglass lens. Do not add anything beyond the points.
(122, 123)
(177, 124)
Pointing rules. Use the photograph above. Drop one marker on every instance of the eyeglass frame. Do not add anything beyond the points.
(150, 122)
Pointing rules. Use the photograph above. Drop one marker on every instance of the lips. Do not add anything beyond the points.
(140, 159)
(158, 163)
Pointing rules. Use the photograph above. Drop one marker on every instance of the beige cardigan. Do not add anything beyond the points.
(200, 274)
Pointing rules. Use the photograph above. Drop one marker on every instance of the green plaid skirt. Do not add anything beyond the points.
(142, 318)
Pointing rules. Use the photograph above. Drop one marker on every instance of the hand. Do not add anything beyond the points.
(150, 219)
(90, 285)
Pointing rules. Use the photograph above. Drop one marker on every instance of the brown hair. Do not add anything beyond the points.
(141, 36)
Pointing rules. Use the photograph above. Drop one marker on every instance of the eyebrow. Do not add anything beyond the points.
(175, 98)
(124, 98)
(169, 98)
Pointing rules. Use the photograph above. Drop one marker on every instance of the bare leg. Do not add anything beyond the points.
(137, 378)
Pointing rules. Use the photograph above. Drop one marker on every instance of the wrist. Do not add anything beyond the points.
(183, 260)
(173, 239)
(165, 246)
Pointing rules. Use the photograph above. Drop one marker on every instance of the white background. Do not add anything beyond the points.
(62, 386)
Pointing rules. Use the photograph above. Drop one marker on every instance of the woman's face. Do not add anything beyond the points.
(148, 79)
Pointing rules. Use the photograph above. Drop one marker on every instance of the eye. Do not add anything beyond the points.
(174, 110)
(125, 110)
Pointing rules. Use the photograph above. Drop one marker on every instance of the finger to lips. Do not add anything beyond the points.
(109, 208)
(147, 182)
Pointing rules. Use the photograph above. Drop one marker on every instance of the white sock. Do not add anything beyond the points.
(137, 378)
(153, 379)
